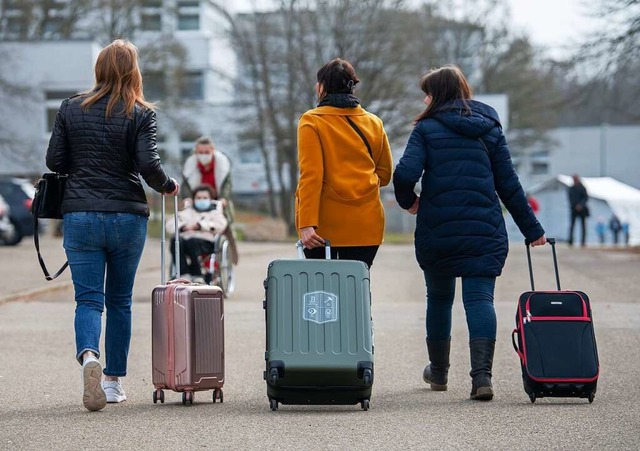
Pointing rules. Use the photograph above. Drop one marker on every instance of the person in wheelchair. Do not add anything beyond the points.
(199, 224)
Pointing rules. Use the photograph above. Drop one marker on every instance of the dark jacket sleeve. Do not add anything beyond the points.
(410, 168)
(57, 158)
(146, 155)
(511, 193)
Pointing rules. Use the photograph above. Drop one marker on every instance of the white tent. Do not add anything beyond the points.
(607, 196)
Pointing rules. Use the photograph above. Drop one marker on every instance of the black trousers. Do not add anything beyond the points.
(190, 250)
(583, 222)
(364, 254)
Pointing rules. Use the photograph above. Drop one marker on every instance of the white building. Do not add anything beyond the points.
(604, 151)
(46, 72)
(50, 69)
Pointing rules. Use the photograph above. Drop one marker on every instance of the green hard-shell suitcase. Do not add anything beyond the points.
(319, 332)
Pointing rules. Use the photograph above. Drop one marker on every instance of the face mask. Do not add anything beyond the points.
(202, 204)
(204, 158)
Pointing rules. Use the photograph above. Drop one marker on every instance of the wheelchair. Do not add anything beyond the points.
(217, 268)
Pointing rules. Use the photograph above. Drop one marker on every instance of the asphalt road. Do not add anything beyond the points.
(40, 382)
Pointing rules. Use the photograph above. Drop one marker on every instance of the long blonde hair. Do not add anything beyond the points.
(117, 73)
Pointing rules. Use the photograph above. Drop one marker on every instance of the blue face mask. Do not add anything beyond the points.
(202, 204)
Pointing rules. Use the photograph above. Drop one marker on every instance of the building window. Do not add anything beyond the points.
(14, 25)
(193, 86)
(188, 4)
(53, 26)
(188, 22)
(151, 22)
(53, 99)
(152, 3)
(154, 87)
(540, 163)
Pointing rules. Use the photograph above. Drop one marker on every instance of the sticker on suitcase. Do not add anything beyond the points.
(320, 307)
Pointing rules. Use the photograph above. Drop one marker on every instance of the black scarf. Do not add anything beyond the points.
(340, 100)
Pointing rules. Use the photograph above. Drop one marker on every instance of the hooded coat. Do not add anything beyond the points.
(462, 156)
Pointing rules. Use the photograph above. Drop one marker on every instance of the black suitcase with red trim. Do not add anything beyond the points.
(555, 341)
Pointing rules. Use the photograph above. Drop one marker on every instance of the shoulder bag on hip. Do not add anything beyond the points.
(47, 203)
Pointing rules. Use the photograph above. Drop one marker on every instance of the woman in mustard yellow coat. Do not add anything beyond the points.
(344, 159)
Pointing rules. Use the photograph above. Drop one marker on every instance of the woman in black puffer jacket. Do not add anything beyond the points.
(104, 139)
(459, 150)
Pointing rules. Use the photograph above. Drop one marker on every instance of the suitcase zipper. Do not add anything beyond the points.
(584, 304)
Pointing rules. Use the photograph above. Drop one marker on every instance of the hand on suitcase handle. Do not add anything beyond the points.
(552, 242)
(300, 247)
(310, 238)
(177, 188)
(540, 241)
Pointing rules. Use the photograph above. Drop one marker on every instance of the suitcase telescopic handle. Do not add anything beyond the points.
(552, 242)
(327, 249)
(163, 241)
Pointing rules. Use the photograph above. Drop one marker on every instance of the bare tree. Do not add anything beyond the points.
(617, 41)
(608, 59)
(117, 19)
(42, 19)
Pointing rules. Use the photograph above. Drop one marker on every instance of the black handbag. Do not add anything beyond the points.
(47, 203)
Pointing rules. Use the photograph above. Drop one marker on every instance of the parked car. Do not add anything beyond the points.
(18, 193)
(7, 230)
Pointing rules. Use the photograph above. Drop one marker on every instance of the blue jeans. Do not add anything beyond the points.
(477, 297)
(97, 243)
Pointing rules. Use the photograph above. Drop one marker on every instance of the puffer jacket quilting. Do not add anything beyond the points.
(460, 230)
(104, 157)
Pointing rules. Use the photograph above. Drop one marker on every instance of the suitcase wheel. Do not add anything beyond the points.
(364, 404)
(273, 404)
(367, 377)
(158, 395)
(187, 398)
(217, 394)
(591, 397)
(532, 397)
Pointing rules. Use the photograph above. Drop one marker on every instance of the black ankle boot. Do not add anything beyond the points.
(436, 373)
(481, 363)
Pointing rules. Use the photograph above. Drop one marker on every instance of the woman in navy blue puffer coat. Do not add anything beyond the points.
(460, 151)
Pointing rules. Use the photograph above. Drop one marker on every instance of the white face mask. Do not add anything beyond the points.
(202, 204)
(204, 158)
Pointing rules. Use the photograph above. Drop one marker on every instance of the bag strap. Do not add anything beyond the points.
(36, 241)
(359, 132)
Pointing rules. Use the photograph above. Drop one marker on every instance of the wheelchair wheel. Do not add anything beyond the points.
(225, 268)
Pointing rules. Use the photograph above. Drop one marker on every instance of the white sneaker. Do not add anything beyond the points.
(114, 391)
(93, 397)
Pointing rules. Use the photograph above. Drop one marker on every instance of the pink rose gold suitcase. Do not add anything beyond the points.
(187, 335)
